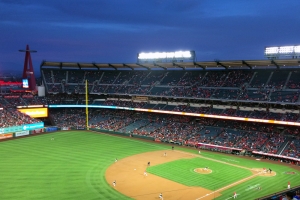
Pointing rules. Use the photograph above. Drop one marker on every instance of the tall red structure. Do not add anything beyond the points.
(28, 72)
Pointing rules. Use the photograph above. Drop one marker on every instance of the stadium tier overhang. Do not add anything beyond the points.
(234, 64)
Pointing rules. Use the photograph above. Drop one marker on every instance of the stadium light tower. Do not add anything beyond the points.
(28, 72)
(280, 51)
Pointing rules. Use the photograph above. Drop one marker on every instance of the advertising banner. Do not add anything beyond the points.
(40, 130)
(21, 133)
(157, 140)
(29, 127)
(35, 112)
(10, 129)
(25, 127)
(6, 136)
(50, 129)
(65, 128)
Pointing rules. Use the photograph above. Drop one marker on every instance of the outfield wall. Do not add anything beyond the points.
(19, 131)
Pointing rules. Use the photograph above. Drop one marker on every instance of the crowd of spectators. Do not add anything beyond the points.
(13, 100)
(255, 113)
(170, 128)
(12, 117)
(246, 85)
(260, 85)
(130, 104)
(249, 136)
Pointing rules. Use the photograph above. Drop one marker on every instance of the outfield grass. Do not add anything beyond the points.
(70, 167)
(74, 164)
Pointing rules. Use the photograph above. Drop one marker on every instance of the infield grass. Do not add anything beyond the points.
(182, 171)
(73, 167)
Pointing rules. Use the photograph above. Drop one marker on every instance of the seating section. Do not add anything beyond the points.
(260, 79)
(12, 117)
(285, 96)
(278, 79)
(188, 130)
(243, 85)
(225, 94)
(238, 78)
(14, 100)
(254, 95)
(275, 87)
(294, 81)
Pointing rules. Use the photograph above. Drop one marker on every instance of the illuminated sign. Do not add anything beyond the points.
(35, 112)
(25, 83)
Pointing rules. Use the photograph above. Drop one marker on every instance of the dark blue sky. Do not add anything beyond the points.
(116, 30)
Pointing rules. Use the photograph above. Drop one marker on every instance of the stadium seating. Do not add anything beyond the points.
(190, 130)
(244, 85)
(263, 86)
(12, 117)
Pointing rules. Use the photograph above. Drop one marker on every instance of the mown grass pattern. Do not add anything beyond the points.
(70, 167)
(268, 184)
(182, 171)
(73, 167)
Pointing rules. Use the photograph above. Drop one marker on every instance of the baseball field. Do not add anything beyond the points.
(83, 165)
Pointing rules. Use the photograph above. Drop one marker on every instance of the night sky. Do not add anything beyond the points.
(114, 31)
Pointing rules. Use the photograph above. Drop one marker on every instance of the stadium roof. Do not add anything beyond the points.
(235, 64)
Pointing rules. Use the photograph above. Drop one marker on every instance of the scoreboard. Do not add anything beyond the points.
(34, 111)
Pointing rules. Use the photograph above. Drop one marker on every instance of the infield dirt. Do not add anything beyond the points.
(131, 181)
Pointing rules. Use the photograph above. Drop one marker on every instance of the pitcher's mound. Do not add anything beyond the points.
(263, 173)
(203, 171)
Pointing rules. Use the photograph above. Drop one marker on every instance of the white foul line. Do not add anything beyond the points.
(227, 186)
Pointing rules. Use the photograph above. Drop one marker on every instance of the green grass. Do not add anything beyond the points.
(70, 167)
(74, 164)
(178, 169)
(182, 171)
(268, 184)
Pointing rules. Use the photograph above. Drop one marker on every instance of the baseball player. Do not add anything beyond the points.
(52, 138)
(265, 171)
(165, 154)
(258, 188)
(289, 185)
(149, 164)
(114, 183)
(116, 160)
(160, 196)
(234, 195)
(199, 152)
(145, 173)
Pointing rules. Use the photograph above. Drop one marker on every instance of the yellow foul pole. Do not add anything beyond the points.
(86, 105)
